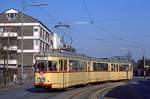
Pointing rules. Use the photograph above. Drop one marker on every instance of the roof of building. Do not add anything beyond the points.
(26, 18)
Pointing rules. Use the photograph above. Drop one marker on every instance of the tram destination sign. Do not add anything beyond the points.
(41, 58)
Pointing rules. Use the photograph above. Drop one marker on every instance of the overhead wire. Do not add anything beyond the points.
(87, 10)
(114, 36)
(57, 22)
(92, 22)
(47, 14)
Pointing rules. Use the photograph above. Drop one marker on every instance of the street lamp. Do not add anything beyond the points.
(22, 12)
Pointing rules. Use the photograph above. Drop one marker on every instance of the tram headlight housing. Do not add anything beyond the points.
(39, 79)
(43, 79)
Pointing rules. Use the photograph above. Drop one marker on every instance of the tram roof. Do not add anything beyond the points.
(80, 56)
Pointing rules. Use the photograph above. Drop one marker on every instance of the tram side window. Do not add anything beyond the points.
(103, 66)
(71, 65)
(84, 66)
(100, 66)
(117, 67)
(95, 67)
(112, 67)
(76, 65)
(63, 63)
(52, 65)
(123, 67)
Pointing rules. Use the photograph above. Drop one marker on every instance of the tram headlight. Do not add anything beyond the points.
(42, 79)
(39, 79)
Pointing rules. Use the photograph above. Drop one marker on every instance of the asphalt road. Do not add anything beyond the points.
(27, 92)
(138, 88)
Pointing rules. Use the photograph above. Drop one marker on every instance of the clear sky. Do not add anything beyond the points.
(119, 25)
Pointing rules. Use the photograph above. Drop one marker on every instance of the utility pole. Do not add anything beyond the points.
(22, 33)
(144, 64)
(7, 48)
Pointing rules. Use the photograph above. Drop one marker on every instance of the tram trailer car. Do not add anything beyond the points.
(62, 70)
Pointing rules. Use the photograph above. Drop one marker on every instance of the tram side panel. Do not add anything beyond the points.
(99, 76)
(118, 75)
(77, 78)
(121, 72)
(99, 72)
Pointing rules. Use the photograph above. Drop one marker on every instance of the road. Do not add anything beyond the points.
(138, 88)
(29, 92)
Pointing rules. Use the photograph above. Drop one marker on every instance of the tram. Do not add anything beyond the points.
(59, 70)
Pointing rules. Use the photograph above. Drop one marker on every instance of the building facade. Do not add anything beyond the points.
(37, 38)
(143, 65)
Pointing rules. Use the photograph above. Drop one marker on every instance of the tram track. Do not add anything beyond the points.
(84, 92)
(88, 92)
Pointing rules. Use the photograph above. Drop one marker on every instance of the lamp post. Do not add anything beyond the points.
(22, 33)
(144, 64)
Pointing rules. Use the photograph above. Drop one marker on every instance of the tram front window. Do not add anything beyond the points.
(52, 65)
(41, 66)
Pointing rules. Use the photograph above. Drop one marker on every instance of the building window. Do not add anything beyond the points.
(11, 16)
(41, 33)
(1, 29)
(35, 29)
(36, 42)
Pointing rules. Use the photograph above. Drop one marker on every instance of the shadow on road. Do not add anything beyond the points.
(136, 89)
(46, 90)
(42, 90)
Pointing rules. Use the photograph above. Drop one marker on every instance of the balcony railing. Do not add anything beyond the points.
(9, 61)
(11, 48)
(8, 34)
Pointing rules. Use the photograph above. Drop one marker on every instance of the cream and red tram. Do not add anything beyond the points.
(61, 70)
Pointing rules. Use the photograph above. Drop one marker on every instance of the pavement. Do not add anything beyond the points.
(26, 92)
(138, 88)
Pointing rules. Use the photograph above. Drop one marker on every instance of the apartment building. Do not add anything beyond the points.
(37, 38)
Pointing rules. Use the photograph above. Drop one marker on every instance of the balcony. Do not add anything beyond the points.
(11, 48)
(9, 62)
(8, 34)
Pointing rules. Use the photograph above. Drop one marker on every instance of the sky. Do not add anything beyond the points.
(117, 27)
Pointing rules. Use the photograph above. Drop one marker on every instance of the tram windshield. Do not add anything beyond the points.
(41, 66)
(46, 65)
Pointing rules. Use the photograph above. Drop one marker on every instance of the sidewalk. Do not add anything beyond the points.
(15, 86)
